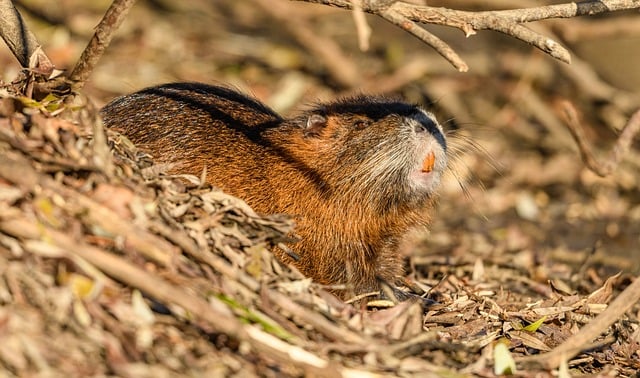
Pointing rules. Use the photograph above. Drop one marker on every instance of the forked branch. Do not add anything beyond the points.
(506, 21)
(620, 148)
(27, 50)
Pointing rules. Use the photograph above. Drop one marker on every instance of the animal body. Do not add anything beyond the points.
(356, 174)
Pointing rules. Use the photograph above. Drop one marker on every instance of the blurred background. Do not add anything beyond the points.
(517, 193)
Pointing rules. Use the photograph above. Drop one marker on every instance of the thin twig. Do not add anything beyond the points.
(219, 264)
(576, 343)
(219, 320)
(506, 21)
(315, 319)
(619, 149)
(111, 21)
(362, 27)
(17, 170)
(567, 10)
(439, 45)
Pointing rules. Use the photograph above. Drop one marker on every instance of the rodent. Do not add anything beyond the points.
(356, 174)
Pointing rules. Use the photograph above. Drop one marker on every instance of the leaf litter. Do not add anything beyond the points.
(109, 266)
(67, 310)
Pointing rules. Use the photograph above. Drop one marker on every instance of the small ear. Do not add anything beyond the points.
(315, 124)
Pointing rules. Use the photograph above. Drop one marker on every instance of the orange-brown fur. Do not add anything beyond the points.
(316, 167)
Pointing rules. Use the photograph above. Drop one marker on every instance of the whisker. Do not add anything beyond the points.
(461, 143)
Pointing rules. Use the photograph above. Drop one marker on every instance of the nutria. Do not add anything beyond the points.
(355, 174)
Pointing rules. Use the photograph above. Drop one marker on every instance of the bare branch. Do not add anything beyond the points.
(543, 43)
(506, 21)
(568, 10)
(439, 45)
(363, 29)
(619, 149)
(21, 41)
(101, 39)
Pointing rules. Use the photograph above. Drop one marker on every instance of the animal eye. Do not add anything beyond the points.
(360, 124)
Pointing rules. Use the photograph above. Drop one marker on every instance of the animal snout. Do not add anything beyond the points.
(425, 123)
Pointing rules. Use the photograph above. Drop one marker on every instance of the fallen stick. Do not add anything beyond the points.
(579, 341)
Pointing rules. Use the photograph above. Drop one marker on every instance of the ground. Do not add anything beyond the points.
(523, 231)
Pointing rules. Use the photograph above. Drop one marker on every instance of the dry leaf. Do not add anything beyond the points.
(603, 294)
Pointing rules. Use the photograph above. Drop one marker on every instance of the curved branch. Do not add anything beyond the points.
(600, 167)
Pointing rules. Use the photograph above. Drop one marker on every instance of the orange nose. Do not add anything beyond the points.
(429, 161)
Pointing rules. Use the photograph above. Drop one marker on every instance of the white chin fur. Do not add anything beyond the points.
(429, 181)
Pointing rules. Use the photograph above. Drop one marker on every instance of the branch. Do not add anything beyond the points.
(439, 45)
(21, 41)
(620, 148)
(27, 50)
(101, 39)
(363, 29)
(18, 170)
(577, 343)
(210, 310)
(568, 10)
(507, 21)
